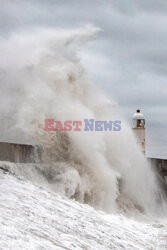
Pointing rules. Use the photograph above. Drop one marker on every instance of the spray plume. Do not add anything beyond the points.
(42, 77)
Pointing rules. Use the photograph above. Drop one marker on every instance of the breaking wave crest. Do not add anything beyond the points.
(44, 78)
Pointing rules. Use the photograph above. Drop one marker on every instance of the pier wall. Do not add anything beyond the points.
(22, 153)
(161, 165)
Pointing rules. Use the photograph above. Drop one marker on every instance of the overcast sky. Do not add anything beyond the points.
(129, 58)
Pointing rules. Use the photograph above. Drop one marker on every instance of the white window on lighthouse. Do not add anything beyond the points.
(140, 123)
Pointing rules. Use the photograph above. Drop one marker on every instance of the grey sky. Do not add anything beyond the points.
(129, 58)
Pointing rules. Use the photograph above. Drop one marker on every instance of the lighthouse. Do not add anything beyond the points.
(139, 129)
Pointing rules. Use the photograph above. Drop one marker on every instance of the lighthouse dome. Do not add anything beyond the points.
(138, 115)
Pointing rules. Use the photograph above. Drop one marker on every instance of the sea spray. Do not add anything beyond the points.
(45, 80)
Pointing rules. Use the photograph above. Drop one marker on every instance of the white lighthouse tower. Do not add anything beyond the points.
(139, 129)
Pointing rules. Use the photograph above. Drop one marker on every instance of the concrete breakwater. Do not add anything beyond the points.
(22, 153)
